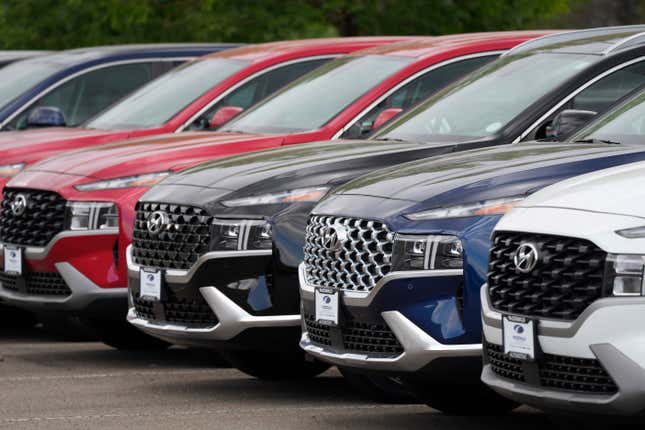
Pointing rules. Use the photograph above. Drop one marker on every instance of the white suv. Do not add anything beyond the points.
(564, 306)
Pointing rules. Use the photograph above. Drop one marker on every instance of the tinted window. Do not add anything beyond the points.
(19, 77)
(485, 102)
(88, 94)
(258, 89)
(415, 91)
(319, 96)
(162, 99)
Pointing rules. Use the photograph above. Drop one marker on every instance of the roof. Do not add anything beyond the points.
(595, 41)
(425, 46)
(263, 51)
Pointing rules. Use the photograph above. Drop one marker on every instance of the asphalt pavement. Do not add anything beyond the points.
(50, 383)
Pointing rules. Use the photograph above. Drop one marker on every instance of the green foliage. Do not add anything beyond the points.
(59, 24)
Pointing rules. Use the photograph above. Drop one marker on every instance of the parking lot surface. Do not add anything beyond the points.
(49, 383)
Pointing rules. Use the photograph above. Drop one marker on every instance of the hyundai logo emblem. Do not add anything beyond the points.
(157, 221)
(334, 237)
(13, 254)
(518, 329)
(151, 278)
(327, 299)
(526, 257)
(19, 205)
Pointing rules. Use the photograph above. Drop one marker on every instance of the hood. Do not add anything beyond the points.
(151, 154)
(489, 173)
(620, 190)
(27, 145)
(291, 166)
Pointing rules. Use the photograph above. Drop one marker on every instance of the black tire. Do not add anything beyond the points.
(377, 388)
(465, 399)
(274, 366)
(124, 336)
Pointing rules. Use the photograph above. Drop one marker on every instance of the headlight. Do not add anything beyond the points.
(92, 216)
(487, 207)
(624, 275)
(10, 170)
(146, 180)
(632, 233)
(292, 196)
(239, 235)
(426, 253)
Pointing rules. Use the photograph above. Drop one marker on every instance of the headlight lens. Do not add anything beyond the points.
(239, 235)
(624, 275)
(292, 196)
(487, 207)
(632, 233)
(10, 170)
(437, 252)
(146, 180)
(92, 216)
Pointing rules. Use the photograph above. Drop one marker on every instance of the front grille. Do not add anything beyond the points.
(179, 245)
(363, 259)
(190, 312)
(568, 276)
(36, 283)
(42, 219)
(358, 337)
(558, 372)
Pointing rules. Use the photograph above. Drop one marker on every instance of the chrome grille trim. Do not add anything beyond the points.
(363, 259)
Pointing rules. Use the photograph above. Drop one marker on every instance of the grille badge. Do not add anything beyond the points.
(334, 236)
(526, 257)
(19, 205)
(157, 221)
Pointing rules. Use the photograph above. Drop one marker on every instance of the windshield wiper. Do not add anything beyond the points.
(605, 141)
(389, 139)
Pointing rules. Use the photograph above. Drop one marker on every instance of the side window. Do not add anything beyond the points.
(412, 93)
(88, 94)
(257, 89)
(599, 96)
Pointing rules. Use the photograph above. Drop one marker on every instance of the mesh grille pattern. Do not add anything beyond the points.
(43, 218)
(567, 279)
(37, 283)
(192, 312)
(179, 245)
(361, 337)
(555, 371)
(364, 258)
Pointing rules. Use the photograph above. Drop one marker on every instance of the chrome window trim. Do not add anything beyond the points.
(248, 79)
(88, 70)
(408, 80)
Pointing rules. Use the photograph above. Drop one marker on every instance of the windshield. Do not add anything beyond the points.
(162, 99)
(486, 101)
(625, 124)
(19, 77)
(318, 97)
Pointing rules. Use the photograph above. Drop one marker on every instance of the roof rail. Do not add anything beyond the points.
(636, 39)
(572, 35)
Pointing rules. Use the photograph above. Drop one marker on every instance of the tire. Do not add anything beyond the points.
(274, 366)
(377, 388)
(465, 399)
(124, 336)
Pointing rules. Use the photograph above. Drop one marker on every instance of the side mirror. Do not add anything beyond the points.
(385, 116)
(46, 116)
(224, 115)
(568, 121)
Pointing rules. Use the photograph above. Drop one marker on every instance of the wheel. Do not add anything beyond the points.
(122, 335)
(275, 365)
(464, 399)
(377, 388)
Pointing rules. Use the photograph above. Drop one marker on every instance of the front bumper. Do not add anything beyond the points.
(609, 331)
(81, 271)
(419, 348)
(232, 319)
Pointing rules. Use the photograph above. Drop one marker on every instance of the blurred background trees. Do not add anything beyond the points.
(58, 24)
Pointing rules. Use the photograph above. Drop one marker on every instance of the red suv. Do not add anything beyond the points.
(200, 95)
(66, 222)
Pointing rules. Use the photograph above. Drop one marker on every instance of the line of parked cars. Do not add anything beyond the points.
(454, 219)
